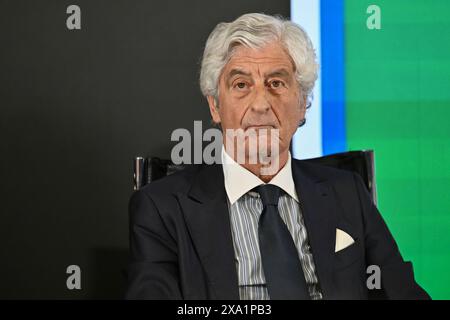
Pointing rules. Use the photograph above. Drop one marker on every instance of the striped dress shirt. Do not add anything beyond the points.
(245, 208)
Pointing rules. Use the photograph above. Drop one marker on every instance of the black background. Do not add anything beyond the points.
(76, 106)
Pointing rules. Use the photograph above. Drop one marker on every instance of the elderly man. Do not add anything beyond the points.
(235, 231)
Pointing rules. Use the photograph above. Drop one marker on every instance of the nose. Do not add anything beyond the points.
(260, 103)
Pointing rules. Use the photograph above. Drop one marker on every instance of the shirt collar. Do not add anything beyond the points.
(239, 181)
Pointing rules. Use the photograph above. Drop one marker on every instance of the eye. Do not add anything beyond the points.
(241, 85)
(276, 84)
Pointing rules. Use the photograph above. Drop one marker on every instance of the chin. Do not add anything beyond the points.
(261, 152)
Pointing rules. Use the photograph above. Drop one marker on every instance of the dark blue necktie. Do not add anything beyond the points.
(282, 268)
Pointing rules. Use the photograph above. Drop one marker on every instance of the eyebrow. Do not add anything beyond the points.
(235, 72)
(278, 73)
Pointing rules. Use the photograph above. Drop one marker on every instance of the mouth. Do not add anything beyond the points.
(259, 127)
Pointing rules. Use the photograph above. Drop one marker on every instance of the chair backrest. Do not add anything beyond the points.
(362, 162)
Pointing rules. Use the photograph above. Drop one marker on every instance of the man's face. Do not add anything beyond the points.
(258, 90)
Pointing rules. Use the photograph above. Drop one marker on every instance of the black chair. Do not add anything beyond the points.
(362, 162)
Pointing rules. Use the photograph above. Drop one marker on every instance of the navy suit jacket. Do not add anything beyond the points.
(181, 244)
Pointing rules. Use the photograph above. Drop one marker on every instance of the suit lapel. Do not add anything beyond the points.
(205, 209)
(318, 208)
(206, 212)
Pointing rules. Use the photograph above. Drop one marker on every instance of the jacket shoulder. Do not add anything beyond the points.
(179, 181)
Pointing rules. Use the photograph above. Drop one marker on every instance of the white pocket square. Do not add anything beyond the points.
(343, 240)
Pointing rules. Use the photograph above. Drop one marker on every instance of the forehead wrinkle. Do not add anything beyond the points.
(246, 61)
(245, 65)
(277, 70)
(257, 56)
(254, 60)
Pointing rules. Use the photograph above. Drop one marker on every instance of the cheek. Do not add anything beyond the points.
(291, 114)
(235, 112)
(230, 115)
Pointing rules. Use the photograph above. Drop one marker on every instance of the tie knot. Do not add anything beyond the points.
(269, 194)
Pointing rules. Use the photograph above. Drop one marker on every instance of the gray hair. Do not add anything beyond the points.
(255, 30)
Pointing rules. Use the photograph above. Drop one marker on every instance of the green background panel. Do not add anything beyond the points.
(398, 103)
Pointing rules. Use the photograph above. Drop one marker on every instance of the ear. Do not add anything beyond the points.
(213, 109)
